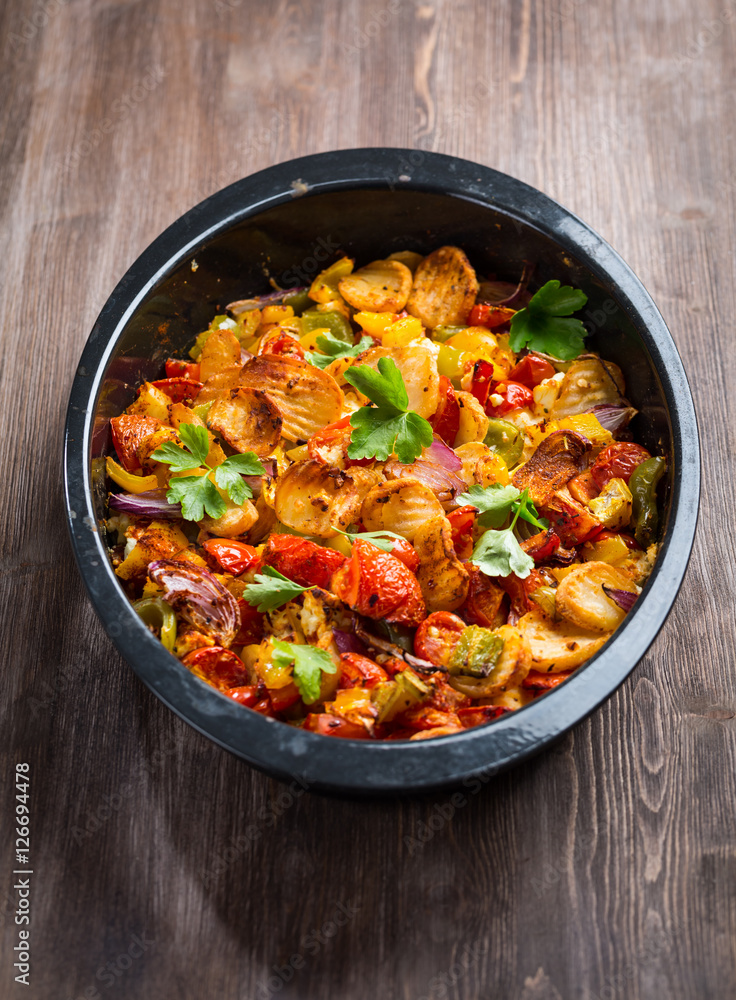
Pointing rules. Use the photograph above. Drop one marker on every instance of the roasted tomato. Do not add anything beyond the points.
(476, 715)
(484, 600)
(541, 546)
(218, 666)
(231, 556)
(531, 370)
(572, 522)
(182, 369)
(330, 446)
(544, 682)
(333, 725)
(378, 585)
(490, 316)
(446, 421)
(128, 433)
(513, 395)
(629, 541)
(519, 591)
(284, 345)
(284, 697)
(303, 561)
(437, 636)
(406, 552)
(461, 524)
(618, 461)
(359, 671)
(251, 625)
(178, 388)
(482, 381)
(427, 717)
(246, 695)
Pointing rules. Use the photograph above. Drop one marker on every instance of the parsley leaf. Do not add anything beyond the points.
(388, 426)
(498, 553)
(191, 456)
(496, 502)
(196, 439)
(546, 325)
(333, 349)
(196, 494)
(271, 589)
(309, 665)
(228, 476)
(383, 540)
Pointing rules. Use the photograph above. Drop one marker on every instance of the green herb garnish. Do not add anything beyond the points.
(383, 540)
(271, 589)
(309, 665)
(546, 324)
(333, 349)
(498, 553)
(388, 426)
(497, 502)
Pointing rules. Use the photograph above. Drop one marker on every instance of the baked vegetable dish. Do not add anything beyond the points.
(394, 505)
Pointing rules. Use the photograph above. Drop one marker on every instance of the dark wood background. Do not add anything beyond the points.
(604, 868)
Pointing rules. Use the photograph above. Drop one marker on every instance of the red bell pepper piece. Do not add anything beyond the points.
(531, 370)
(231, 556)
(482, 380)
(178, 389)
(446, 421)
(461, 525)
(490, 316)
(176, 368)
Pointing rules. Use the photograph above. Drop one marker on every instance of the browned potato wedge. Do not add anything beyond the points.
(307, 398)
(558, 646)
(215, 385)
(510, 670)
(588, 382)
(445, 287)
(401, 505)
(247, 419)
(443, 578)
(237, 520)
(581, 599)
(151, 402)
(382, 286)
(513, 698)
(558, 458)
(314, 499)
(473, 420)
(418, 366)
(221, 350)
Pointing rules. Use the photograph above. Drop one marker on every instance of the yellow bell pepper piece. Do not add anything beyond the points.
(613, 504)
(585, 423)
(129, 480)
(309, 340)
(276, 314)
(403, 332)
(324, 286)
(375, 324)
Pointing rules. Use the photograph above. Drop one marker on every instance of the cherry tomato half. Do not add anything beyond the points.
(183, 369)
(406, 552)
(251, 625)
(178, 389)
(531, 370)
(303, 561)
(490, 316)
(332, 725)
(378, 585)
(618, 461)
(537, 681)
(437, 636)
(514, 396)
(218, 666)
(128, 432)
(231, 556)
(484, 599)
(285, 346)
(461, 525)
(359, 671)
(246, 695)
(477, 715)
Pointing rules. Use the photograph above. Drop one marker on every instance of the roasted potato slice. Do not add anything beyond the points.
(588, 382)
(307, 398)
(408, 257)
(418, 366)
(473, 420)
(558, 646)
(217, 384)
(221, 350)
(382, 286)
(247, 419)
(581, 599)
(401, 505)
(558, 458)
(237, 520)
(314, 499)
(443, 578)
(510, 670)
(445, 287)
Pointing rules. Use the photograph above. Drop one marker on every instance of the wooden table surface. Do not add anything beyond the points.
(604, 868)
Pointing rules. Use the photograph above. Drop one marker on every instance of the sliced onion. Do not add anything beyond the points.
(441, 454)
(385, 646)
(199, 597)
(260, 301)
(509, 294)
(624, 598)
(444, 484)
(613, 417)
(151, 503)
(348, 642)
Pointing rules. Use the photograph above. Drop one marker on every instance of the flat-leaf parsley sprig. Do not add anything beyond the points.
(309, 665)
(388, 426)
(498, 553)
(333, 349)
(546, 323)
(198, 494)
(497, 502)
(271, 589)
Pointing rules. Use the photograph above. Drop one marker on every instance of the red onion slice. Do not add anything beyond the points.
(348, 642)
(441, 454)
(151, 503)
(199, 597)
(613, 417)
(444, 484)
(260, 301)
(624, 598)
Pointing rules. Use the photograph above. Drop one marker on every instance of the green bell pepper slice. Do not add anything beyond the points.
(157, 614)
(643, 486)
